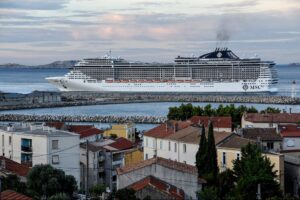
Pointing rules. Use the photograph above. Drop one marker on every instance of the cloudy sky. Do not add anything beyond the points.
(41, 31)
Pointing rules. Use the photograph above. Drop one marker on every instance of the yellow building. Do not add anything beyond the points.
(134, 156)
(230, 150)
(122, 130)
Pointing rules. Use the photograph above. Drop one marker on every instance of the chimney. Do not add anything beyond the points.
(3, 165)
(290, 110)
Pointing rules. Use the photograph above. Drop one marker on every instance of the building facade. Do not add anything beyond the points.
(32, 144)
(122, 130)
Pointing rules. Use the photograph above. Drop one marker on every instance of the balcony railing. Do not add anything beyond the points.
(26, 149)
(27, 163)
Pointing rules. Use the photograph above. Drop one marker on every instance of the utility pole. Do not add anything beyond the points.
(258, 195)
(87, 169)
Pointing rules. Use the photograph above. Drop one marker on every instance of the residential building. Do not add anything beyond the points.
(133, 156)
(292, 175)
(181, 145)
(12, 195)
(156, 188)
(86, 132)
(8, 166)
(126, 130)
(176, 174)
(104, 157)
(34, 143)
(221, 123)
(291, 137)
(268, 120)
(267, 137)
(230, 150)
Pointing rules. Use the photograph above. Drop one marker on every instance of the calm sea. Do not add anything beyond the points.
(27, 80)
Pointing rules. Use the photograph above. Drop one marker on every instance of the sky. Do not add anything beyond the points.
(36, 32)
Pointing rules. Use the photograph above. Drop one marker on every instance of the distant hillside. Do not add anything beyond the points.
(56, 64)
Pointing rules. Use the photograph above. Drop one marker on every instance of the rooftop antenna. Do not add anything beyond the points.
(293, 94)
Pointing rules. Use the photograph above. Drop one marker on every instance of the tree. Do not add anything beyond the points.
(253, 169)
(97, 190)
(44, 180)
(125, 194)
(201, 154)
(212, 164)
(60, 196)
(226, 185)
(208, 193)
(12, 182)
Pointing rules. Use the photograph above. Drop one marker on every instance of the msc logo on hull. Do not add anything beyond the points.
(251, 87)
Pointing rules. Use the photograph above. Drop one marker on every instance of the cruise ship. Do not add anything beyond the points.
(220, 71)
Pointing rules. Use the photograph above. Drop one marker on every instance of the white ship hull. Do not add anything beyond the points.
(65, 84)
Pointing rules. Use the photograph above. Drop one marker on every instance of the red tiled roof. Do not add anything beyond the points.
(273, 117)
(264, 134)
(14, 167)
(167, 129)
(171, 164)
(122, 144)
(84, 130)
(218, 122)
(12, 195)
(151, 181)
(289, 130)
(57, 125)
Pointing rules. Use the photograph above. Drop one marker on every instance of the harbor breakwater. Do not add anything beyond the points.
(82, 99)
(80, 118)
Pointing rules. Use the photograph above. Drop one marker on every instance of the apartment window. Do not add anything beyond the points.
(270, 145)
(175, 147)
(238, 156)
(184, 148)
(224, 158)
(9, 140)
(3, 140)
(169, 146)
(146, 156)
(161, 144)
(55, 159)
(54, 144)
(146, 142)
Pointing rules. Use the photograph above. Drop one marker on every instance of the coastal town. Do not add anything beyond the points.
(162, 163)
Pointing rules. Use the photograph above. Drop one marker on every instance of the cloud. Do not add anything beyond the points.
(33, 4)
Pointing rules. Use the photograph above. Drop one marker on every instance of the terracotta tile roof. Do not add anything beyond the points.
(272, 117)
(122, 144)
(191, 135)
(57, 125)
(289, 130)
(167, 129)
(235, 142)
(265, 134)
(84, 130)
(12, 195)
(218, 122)
(14, 167)
(162, 186)
(171, 164)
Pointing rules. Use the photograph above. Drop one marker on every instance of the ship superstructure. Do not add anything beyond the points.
(216, 72)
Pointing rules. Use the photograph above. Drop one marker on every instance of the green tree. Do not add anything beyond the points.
(60, 196)
(125, 194)
(226, 185)
(44, 180)
(212, 164)
(253, 169)
(12, 182)
(201, 154)
(270, 110)
(97, 190)
(208, 193)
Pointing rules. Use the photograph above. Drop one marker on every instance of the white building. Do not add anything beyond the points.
(269, 120)
(33, 144)
(181, 145)
(291, 138)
